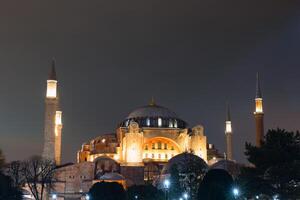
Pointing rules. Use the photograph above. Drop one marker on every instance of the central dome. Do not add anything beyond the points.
(152, 111)
(154, 116)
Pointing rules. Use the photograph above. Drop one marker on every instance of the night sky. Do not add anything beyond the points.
(112, 56)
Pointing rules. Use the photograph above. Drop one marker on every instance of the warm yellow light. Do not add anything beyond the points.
(258, 105)
(51, 88)
(228, 127)
(116, 157)
(132, 155)
(58, 117)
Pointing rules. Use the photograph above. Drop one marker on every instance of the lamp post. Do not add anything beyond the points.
(185, 196)
(236, 192)
(54, 196)
(166, 186)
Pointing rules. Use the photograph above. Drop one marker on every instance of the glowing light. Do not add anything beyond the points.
(166, 183)
(185, 195)
(51, 89)
(236, 192)
(58, 116)
(148, 122)
(175, 123)
(87, 197)
(228, 127)
(258, 105)
(159, 121)
(103, 140)
(54, 196)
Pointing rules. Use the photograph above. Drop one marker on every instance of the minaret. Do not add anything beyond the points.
(259, 113)
(53, 122)
(228, 134)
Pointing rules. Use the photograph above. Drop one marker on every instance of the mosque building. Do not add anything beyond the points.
(139, 151)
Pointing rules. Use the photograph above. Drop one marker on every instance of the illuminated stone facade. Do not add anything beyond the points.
(144, 142)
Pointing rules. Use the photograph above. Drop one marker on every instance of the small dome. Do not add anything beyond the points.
(112, 176)
(181, 161)
(230, 166)
(154, 115)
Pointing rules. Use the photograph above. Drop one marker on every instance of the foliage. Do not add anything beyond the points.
(276, 166)
(145, 192)
(7, 190)
(216, 185)
(107, 191)
(38, 175)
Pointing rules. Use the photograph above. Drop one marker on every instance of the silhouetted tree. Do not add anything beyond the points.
(2, 159)
(7, 191)
(14, 170)
(217, 184)
(276, 166)
(144, 192)
(38, 175)
(107, 191)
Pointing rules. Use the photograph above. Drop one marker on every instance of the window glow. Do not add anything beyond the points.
(51, 88)
(159, 121)
(258, 105)
(58, 116)
(175, 123)
(228, 127)
(170, 124)
(148, 122)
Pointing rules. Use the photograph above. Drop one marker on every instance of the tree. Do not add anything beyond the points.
(144, 192)
(2, 160)
(107, 191)
(7, 190)
(217, 184)
(38, 175)
(276, 166)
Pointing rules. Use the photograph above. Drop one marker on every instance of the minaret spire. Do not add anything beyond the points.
(259, 113)
(52, 74)
(258, 89)
(53, 119)
(228, 134)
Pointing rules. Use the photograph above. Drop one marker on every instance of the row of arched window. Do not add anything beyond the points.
(158, 145)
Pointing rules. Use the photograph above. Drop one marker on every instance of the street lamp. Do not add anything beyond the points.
(54, 196)
(236, 192)
(185, 196)
(166, 186)
(87, 197)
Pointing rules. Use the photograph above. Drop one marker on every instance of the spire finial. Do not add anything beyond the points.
(52, 75)
(152, 102)
(258, 89)
(228, 116)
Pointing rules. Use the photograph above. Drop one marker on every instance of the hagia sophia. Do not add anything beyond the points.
(144, 145)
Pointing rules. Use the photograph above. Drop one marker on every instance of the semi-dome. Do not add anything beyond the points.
(153, 115)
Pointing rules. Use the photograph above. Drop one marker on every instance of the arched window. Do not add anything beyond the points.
(159, 156)
(166, 156)
(159, 145)
(166, 146)
(170, 123)
(153, 156)
(146, 147)
(159, 122)
(153, 145)
(148, 122)
(175, 123)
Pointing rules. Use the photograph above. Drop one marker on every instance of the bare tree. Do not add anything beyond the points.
(38, 175)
